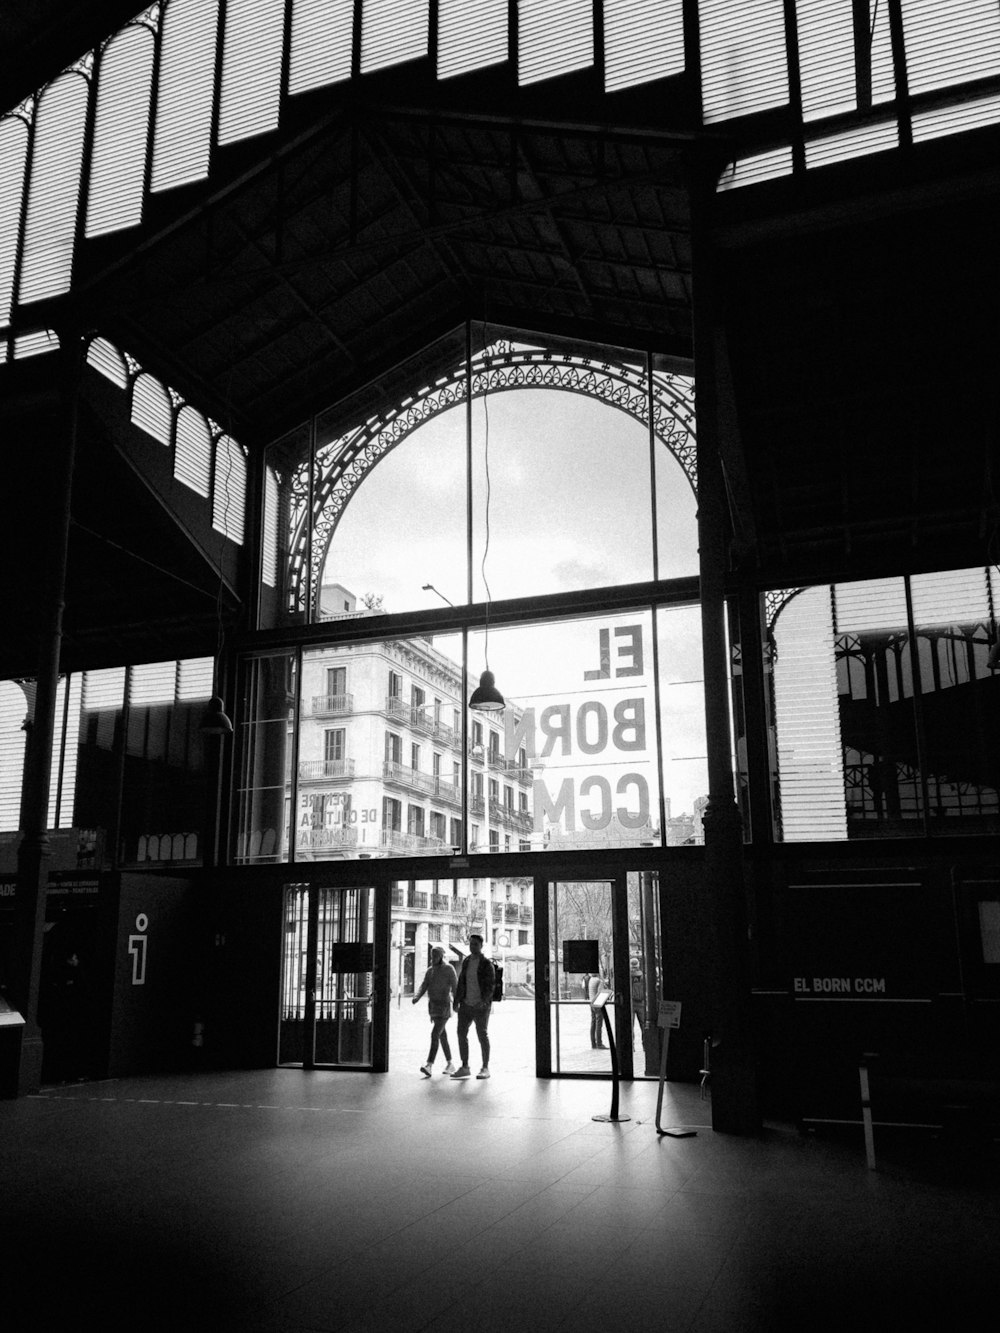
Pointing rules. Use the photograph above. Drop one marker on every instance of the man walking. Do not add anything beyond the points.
(474, 1002)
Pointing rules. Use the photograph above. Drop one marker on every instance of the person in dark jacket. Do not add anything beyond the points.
(438, 985)
(474, 1002)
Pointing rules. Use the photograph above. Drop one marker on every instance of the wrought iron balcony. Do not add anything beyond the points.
(310, 770)
(394, 840)
(327, 705)
(416, 716)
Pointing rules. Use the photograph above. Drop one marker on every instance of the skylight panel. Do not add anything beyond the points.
(251, 68)
(184, 105)
(393, 31)
(151, 408)
(121, 132)
(229, 492)
(743, 58)
(193, 451)
(54, 189)
(472, 34)
(322, 36)
(13, 161)
(950, 41)
(643, 40)
(554, 37)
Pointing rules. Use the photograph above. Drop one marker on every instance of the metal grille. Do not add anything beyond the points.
(54, 191)
(251, 68)
(184, 108)
(121, 131)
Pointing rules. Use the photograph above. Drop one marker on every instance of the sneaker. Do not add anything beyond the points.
(484, 1072)
(463, 1071)
(426, 1071)
(449, 1068)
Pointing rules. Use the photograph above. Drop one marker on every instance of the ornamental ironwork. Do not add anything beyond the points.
(345, 462)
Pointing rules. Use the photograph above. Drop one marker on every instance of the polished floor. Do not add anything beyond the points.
(292, 1201)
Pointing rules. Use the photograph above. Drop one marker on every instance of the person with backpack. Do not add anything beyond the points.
(438, 985)
(474, 1002)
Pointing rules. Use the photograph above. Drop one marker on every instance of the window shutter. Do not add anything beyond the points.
(472, 34)
(13, 160)
(758, 167)
(743, 60)
(184, 106)
(955, 597)
(269, 554)
(937, 122)
(151, 408)
(54, 191)
(393, 31)
(13, 710)
(643, 40)
(152, 683)
(873, 604)
(195, 679)
(35, 344)
(950, 41)
(106, 358)
(229, 492)
(322, 34)
(251, 68)
(120, 133)
(554, 37)
(193, 451)
(852, 143)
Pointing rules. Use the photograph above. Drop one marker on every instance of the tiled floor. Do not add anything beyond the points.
(282, 1200)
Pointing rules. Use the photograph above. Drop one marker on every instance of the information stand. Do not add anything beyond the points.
(602, 1003)
(669, 1016)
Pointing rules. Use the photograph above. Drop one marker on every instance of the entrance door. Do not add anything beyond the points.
(620, 916)
(332, 1012)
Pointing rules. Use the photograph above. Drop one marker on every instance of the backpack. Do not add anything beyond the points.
(497, 980)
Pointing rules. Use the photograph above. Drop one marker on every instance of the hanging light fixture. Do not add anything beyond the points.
(214, 721)
(486, 698)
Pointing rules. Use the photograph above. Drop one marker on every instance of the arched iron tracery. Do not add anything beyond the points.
(344, 463)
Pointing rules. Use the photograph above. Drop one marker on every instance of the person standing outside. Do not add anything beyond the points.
(596, 985)
(474, 1002)
(439, 985)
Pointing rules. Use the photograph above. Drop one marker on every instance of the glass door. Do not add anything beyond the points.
(598, 952)
(331, 1013)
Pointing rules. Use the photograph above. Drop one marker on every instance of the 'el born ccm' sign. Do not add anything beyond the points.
(601, 743)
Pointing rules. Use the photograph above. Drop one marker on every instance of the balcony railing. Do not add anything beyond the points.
(394, 840)
(325, 705)
(524, 916)
(311, 769)
(417, 716)
(440, 902)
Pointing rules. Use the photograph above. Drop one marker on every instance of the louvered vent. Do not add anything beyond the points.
(950, 41)
(826, 57)
(743, 62)
(121, 132)
(940, 121)
(194, 679)
(321, 43)
(13, 159)
(251, 68)
(852, 143)
(184, 107)
(54, 191)
(873, 604)
(472, 34)
(193, 451)
(35, 344)
(151, 408)
(807, 721)
(61, 814)
(951, 598)
(554, 37)
(229, 494)
(392, 31)
(106, 358)
(104, 689)
(13, 710)
(152, 683)
(643, 40)
(758, 167)
(269, 537)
